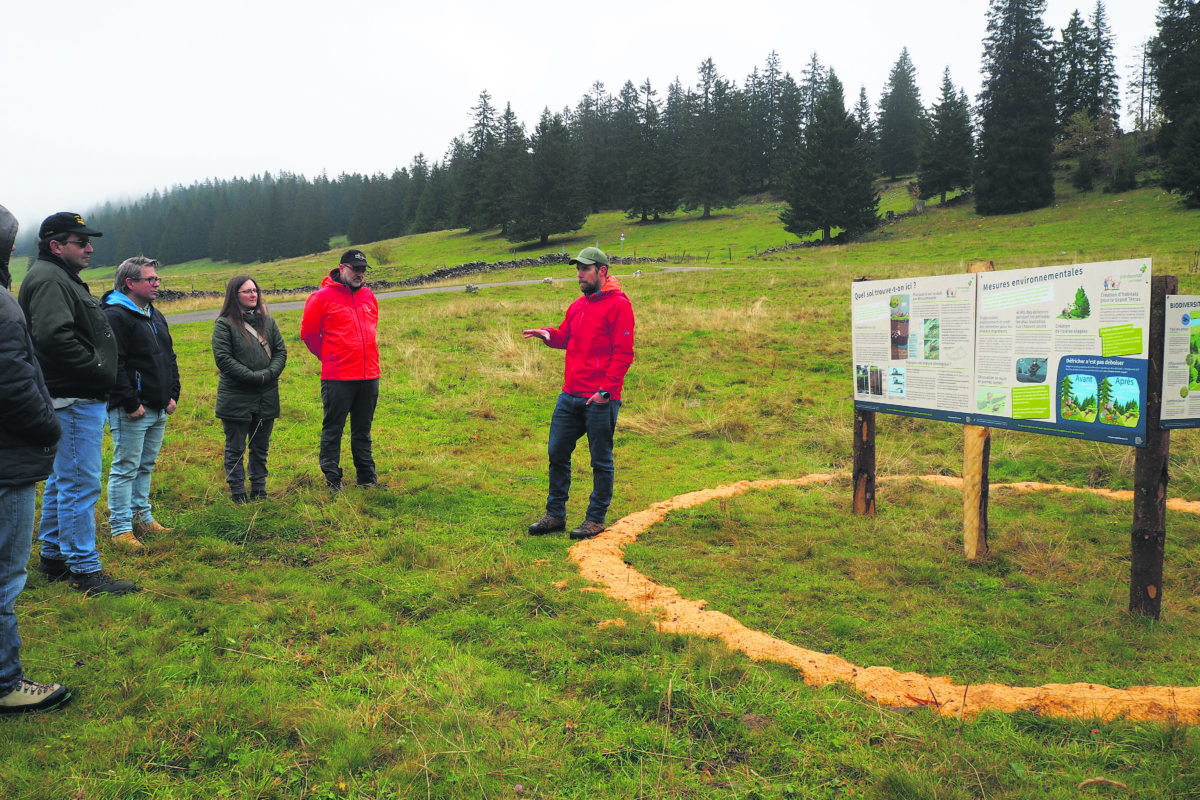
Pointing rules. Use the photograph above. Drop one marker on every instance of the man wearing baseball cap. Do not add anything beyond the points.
(78, 355)
(597, 334)
(338, 327)
(29, 434)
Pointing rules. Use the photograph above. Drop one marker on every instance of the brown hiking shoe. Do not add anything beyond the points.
(127, 541)
(142, 528)
(547, 524)
(588, 529)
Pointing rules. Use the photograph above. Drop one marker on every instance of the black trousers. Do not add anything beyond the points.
(356, 399)
(258, 432)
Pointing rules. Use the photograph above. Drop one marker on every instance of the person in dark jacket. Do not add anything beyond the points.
(29, 432)
(597, 334)
(250, 356)
(338, 327)
(145, 394)
(78, 356)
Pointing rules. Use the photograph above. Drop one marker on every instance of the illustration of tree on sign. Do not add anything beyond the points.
(1104, 393)
(1080, 309)
(1066, 404)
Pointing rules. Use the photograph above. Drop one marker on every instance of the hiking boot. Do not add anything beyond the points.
(587, 530)
(142, 528)
(240, 499)
(100, 582)
(333, 486)
(30, 698)
(547, 524)
(54, 569)
(258, 494)
(127, 541)
(373, 485)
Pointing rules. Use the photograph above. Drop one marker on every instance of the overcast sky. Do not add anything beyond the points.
(111, 100)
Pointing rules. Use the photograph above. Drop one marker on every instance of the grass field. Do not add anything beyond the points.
(416, 643)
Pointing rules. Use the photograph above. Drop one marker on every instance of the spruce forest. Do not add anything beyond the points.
(1049, 101)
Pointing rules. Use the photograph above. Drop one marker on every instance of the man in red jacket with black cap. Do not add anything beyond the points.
(338, 326)
(597, 334)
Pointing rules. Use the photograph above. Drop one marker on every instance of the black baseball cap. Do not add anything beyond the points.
(65, 222)
(354, 259)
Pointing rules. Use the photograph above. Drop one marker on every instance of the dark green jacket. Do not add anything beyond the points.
(249, 384)
(74, 344)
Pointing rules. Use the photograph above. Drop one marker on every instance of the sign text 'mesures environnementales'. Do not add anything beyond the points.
(1060, 350)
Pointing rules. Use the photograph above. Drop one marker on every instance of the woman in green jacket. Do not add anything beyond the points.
(250, 355)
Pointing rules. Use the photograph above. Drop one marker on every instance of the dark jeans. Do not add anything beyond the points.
(356, 399)
(573, 417)
(258, 431)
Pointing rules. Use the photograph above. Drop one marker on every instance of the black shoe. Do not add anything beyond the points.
(547, 524)
(54, 569)
(240, 498)
(587, 530)
(373, 485)
(93, 583)
(30, 698)
(258, 494)
(333, 486)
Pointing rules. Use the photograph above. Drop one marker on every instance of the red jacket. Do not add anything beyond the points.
(597, 334)
(339, 328)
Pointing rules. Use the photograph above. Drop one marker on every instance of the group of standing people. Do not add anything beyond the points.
(70, 363)
(339, 327)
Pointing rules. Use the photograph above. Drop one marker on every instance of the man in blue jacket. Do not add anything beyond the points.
(145, 394)
(29, 434)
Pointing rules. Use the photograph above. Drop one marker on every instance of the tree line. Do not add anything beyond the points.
(705, 146)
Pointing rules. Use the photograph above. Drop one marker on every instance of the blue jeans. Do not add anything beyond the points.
(68, 526)
(573, 417)
(16, 534)
(136, 443)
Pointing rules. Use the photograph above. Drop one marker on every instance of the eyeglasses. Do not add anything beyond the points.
(155, 279)
(80, 243)
(248, 291)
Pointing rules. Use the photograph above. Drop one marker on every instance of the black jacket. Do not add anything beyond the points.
(249, 384)
(29, 428)
(147, 373)
(71, 336)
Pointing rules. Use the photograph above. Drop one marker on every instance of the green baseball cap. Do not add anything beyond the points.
(591, 255)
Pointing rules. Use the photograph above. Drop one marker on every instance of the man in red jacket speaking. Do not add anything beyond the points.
(338, 326)
(597, 334)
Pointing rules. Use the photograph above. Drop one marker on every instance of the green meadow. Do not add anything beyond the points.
(417, 643)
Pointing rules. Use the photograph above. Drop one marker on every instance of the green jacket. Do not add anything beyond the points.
(74, 343)
(249, 383)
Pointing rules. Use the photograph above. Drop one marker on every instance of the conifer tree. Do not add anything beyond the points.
(553, 198)
(710, 163)
(832, 186)
(870, 131)
(1014, 167)
(901, 120)
(1175, 54)
(651, 177)
(947, 159)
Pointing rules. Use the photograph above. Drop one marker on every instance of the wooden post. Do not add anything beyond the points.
(977, 449)
(864, 462)
(1149, 537)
